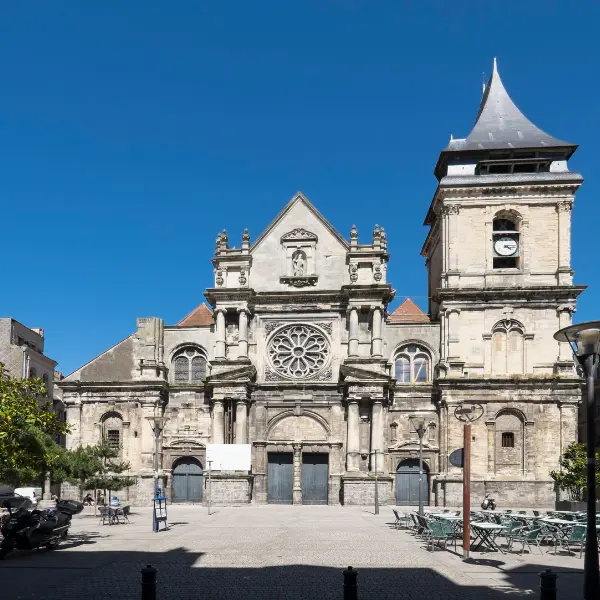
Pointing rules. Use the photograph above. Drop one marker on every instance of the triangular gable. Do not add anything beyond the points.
(408, 312)
(201, 316)
(299, 198)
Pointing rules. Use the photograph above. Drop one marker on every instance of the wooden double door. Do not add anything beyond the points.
(314, 480)
(188, 481)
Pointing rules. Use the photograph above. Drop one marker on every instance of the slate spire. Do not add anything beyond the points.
(501, 125)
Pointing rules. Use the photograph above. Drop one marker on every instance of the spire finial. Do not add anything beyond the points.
(495, 71)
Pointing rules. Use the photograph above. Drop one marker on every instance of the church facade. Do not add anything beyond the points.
(298, 357)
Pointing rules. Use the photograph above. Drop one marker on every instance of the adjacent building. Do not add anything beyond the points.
(299, 357)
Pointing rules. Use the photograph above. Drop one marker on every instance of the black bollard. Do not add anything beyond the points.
(149, 583)
(548, 585)
(350, 585)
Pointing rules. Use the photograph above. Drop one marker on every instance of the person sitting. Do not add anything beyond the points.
(89, 500)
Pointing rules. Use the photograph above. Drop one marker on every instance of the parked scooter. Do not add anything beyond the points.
(488, 503)
(28, 530)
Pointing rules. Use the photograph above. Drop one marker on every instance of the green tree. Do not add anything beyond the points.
(572, 476)
(28, 427)
(98, 467)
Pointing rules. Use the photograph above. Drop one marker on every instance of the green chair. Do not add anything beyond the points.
(528, 538)
(514, 529)
(439, 533)
(576, 536)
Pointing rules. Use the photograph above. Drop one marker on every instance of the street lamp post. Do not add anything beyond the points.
(584, 340)
(419, 425)
(158, 424)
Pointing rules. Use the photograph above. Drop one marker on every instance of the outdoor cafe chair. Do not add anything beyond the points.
(439, 533)
(513, 529)
(400, 518)
(527, 538)
(536, 513)
(106, 515)
(576, 536)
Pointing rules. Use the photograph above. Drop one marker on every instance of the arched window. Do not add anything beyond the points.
(509, 446)
(508, 356)
(189, 366)
(412, 365)
(506, 243)
(112, 430)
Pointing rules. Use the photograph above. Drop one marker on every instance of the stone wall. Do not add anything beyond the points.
(360, 491)
(228, 490)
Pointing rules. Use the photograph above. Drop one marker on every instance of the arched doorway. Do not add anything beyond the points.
(188, 480)
(407, 483)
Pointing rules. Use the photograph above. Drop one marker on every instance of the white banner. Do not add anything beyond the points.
(228, 457)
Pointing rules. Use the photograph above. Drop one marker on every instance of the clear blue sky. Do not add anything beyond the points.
(132, 132)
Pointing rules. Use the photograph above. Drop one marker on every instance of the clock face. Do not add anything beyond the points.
(505, 246)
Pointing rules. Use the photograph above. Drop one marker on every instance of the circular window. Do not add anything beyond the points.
(298, 351)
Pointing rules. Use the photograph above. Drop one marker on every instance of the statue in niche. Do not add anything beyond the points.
(298, 263)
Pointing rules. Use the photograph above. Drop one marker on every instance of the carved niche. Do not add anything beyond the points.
(299, 258)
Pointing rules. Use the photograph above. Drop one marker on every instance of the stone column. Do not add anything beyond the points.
(564, 320)
(353, 332)
(243, 332)
(564, 242)
(220, 333)
(73, 437)
(218, 422)
(376, 339)
(353, 438)
(241, 422)
(297, 493)
(259, 470)
(491, 446)
(452, 333)
(377, 436)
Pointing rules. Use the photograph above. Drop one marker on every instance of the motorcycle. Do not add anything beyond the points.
(29, 530)
(488, 503)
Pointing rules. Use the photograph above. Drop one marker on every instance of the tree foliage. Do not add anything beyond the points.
(28, 426)
(98, 467)
(572, 476)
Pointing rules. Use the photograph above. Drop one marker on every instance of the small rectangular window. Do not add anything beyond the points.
(113, 437)
(508, 440)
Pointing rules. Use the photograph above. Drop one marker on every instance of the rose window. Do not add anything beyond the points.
(298, 351)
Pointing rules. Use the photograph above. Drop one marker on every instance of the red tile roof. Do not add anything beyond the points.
(408, 312)
(199, 317)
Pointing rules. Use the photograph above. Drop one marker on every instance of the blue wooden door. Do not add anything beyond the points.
(407, 483)
(315, 476)
(188, 481)
(280, 478)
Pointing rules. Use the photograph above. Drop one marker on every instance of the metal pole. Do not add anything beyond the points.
(149, 583)
(209, 485)
(467, 491)
(154, 521)
(350, 585)
(548, 585)
(376, 486)
(590, 588)
(420, 433)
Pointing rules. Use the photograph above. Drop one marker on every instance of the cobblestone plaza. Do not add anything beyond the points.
(274, 552)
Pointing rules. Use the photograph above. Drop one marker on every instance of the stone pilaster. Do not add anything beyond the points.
(353, 437)
(218, 422)
(73, 405)
(297, 492)
(376, 338)
(259, 470)
(353, 332)
(241, 422)
(243, 332)
(491, 446)
(220, 348)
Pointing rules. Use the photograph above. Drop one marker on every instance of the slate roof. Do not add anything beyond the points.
(200, 317)
(501, 125)
(408, 312)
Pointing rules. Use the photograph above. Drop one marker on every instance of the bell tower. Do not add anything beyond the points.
(500, 241)
(498, 256)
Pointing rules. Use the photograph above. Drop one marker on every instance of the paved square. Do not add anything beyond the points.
(270, 552)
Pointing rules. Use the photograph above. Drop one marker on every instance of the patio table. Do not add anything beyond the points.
(485, 535)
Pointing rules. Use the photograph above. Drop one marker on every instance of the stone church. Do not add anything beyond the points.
(299, 357)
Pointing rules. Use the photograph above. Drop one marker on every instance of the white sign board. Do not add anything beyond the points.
(228, 457)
